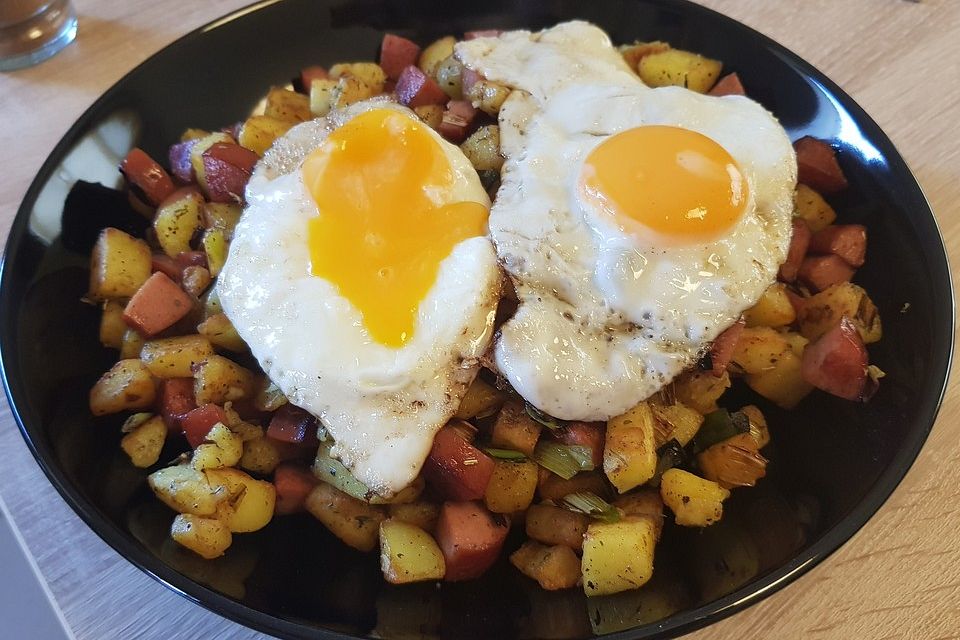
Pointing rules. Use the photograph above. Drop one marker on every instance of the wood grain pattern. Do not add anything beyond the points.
(898, 578)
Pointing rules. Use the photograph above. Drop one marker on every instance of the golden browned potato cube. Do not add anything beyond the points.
(260, 455)
(192, 133)
(482, 148)
(248, 505)
(219, 380)
(408, 554)
(480, 401)
(823, 311)
(553, 525)
(185, 490)
(618, 555)
(119, 264)
(196, 153)
(112, 326)
(758, 425)
(132, 344)
(550, 486)
(368, 73)
(422, 513)
(679, 68)
(289, 106)
(223, 449)
(797, 342)
(695, 501)
(410, 493)
(629, 452)
(145, 442)
(222, 215)
(783, 384)
(515, 429)
(811, 206)
(448, 76)
(554, 568)
(434, 54)
(195, 280)
(759, 349)
(126, 386)
(644, 502)
(215, 245)
(487, 96)
(773, 309)
(511, 486)
(322, 95)
(351, 89)
(177, 220)
(353, 521)
(221, 333)
(431, 114)
(259, 132)
(175, 357)
(734, 462)
(633, 53)
(207, 537)
(678, 422)
(700, 390)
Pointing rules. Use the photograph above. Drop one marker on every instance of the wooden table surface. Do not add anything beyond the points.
(898, 578)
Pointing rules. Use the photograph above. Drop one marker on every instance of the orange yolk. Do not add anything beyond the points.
(676, 183)
(379, 237)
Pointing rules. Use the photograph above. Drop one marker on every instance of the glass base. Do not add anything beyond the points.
(54, 43)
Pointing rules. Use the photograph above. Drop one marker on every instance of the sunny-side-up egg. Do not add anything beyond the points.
(363, 279)
(635, 223)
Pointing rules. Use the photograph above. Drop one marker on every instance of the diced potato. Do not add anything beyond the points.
(369, 73)
(811, 206)
(783, 384)
(735, 462)
(288, 106)
(211, 303)
(196, 153)
(185, 490)
(482, 148)
(618, 555)
(207, 537)
(434, 54)
(645, 502)
(249, 503)
(700, 390)
(355, 522)
(192, 133)
(126, 386)
(431, 114)
(633, 53)
(553, 525)
(245, 430)
(487, 96)
(332, 471)
(773, 309)
(223, 449)
(221, 333)
(196, 280)
(629, 453)
(823, 311)
(145, 442)
(553, 568)
(408, 554)
(480, 401)
(215, 245)
(119, 264)
(112, 326)
(759, 349)
(132, 344)
(176, 221)
(797, 342)
(422, 513)
(448, 76)
(514, 429)
(175, 357)
(679, 68)
(682, 422)
(550, 486)
(260, 455)
(219, 380)
(758, 425)
(322, 94)
(222, 215)
(410, 493)
(695, 501)
(259, 132)
(269, 396)
(511, 486)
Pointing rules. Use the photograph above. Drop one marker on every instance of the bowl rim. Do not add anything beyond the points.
(683, 622)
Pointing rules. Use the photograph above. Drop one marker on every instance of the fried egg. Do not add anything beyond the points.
(636, 223)
(362, 277)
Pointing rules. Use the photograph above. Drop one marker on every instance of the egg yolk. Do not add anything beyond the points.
(676, 183)
(381, 234)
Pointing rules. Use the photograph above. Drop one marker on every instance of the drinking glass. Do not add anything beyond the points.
(34, 30)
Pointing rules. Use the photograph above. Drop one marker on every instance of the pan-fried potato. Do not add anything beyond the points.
(409, 554)
(783, 383)
(221, 333)
(175, 357)
(680, 421)
(145, 442)
(196, 153)
(773, 309)
(554, 568)
(248, 505)
(421, 513)
(482, 148)
(629, 454)
(112, 326)
(511, 486)
(823, 311)
(644, 502)
(207, 537)
(222, 215)
(695, 501)
(259, 132)
(700, 390)
(185, 490)
(288, 106)
(322, 96)
(759, 349)
(126, 386)
(434, 54)
(195, 280)
(811, 206)
(552, 525)
(219, 380)
(260, 455)
(223, 449)
(487, 96)
(449, 78)
(679, 68)
(353, 521)
(132, 344)
(618, 555)
(177, 220)
(369, 73)
(215, 245)
(119, 264)
(431, 114)
(633, 53)
(480, 400)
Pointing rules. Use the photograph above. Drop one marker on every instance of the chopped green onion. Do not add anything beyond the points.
(565, 461)
(670, 455)
(590, 504)
(718, 426)
(332, 471)
(134, 421)
(504, 454)
(548, 421)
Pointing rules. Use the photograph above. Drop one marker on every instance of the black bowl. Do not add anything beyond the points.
(833, 462)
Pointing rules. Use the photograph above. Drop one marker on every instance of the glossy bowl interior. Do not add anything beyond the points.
(833, 462)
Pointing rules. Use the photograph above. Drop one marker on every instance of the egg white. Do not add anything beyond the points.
(606, 318)
(381, 405)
